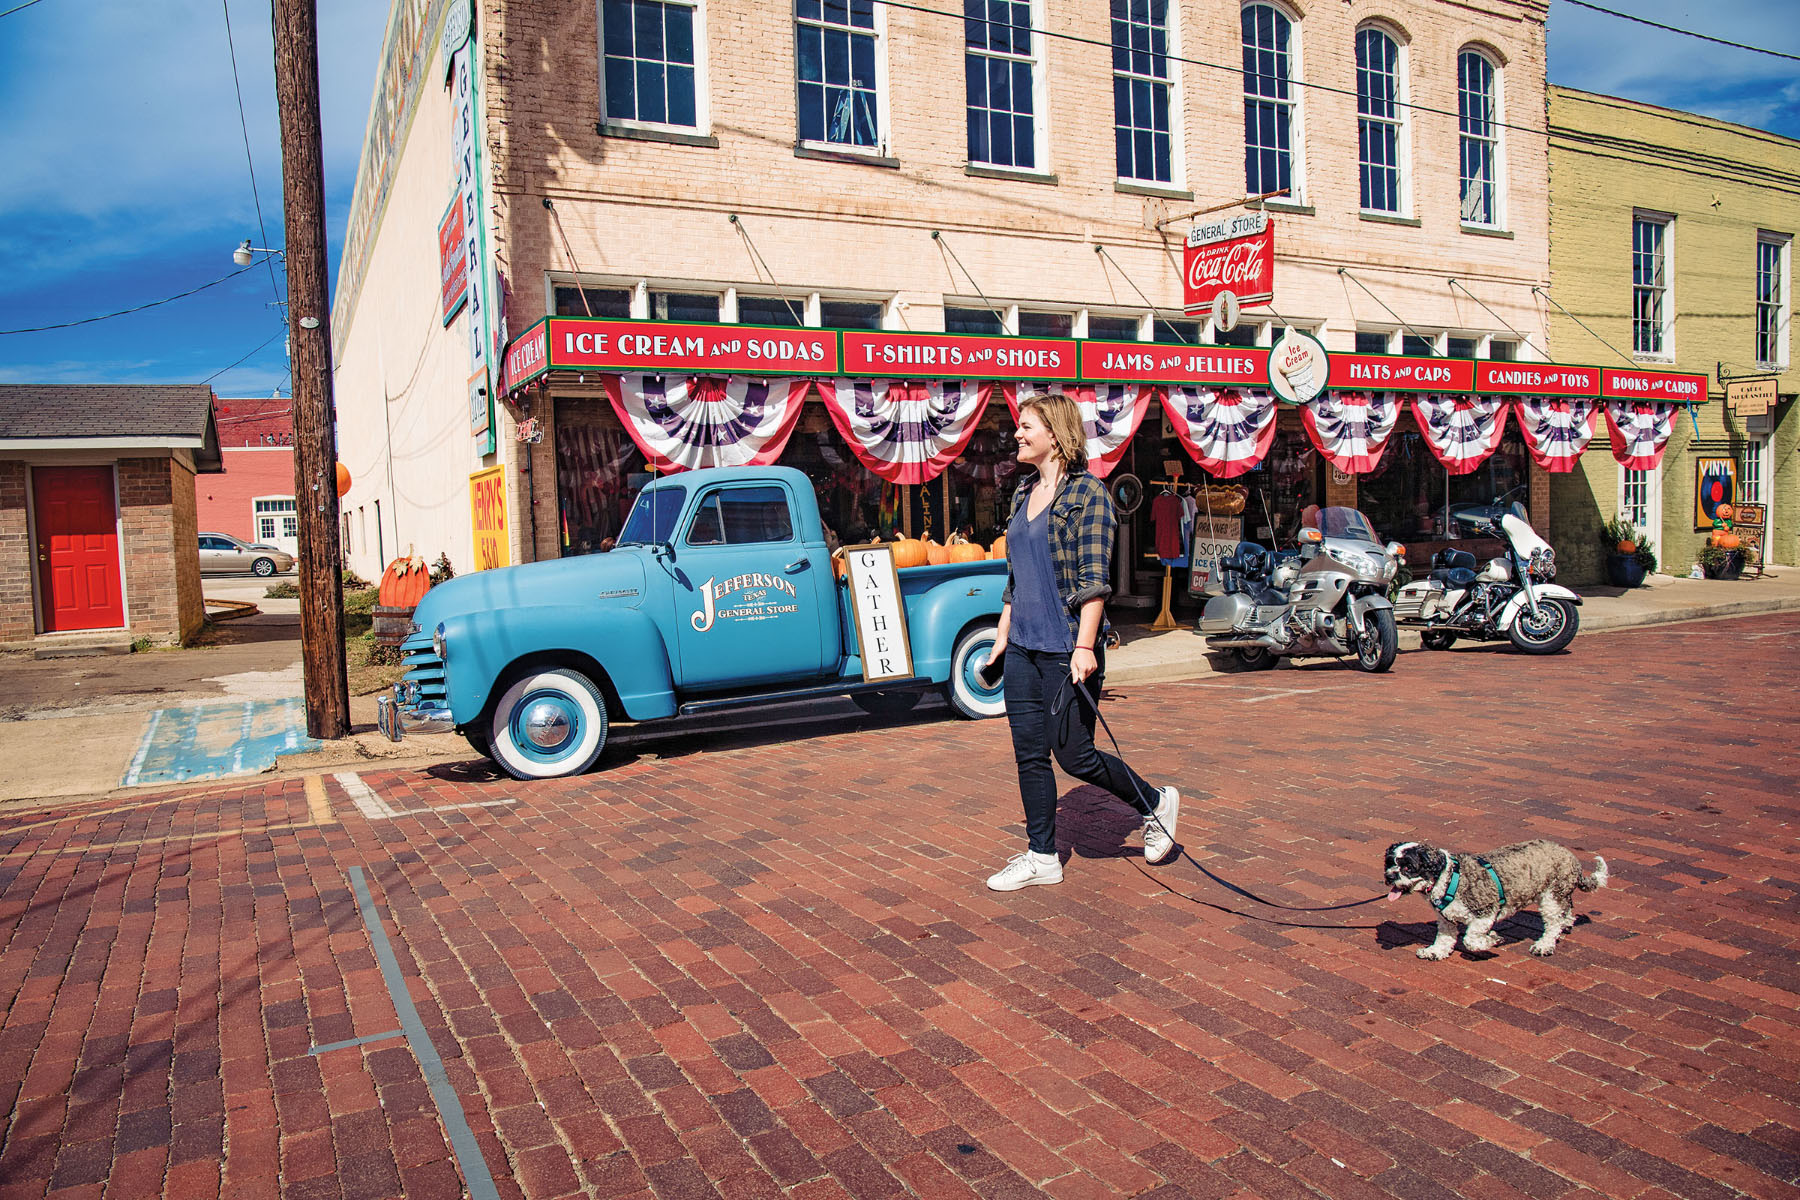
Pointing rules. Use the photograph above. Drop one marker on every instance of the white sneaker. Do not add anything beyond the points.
(1159, 834)
(1026, 869)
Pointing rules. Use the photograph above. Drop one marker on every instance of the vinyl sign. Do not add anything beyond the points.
(655, 347)
(1234, 254)
(1152, 362)
(1651, 385)
(1398, 373)
(453, 260)
(957, 356)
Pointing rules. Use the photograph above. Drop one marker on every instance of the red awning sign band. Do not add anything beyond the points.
(594, 344)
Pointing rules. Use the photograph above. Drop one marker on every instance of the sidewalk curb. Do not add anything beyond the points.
(1675, 616)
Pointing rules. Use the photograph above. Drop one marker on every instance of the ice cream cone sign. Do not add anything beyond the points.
(1299, 367)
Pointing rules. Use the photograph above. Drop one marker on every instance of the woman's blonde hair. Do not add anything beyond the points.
(1063, 419)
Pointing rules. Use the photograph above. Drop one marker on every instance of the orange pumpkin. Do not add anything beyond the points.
(999, 550)
(935, 554)
(1724, 512)
(966, 552)
(837, 562)
(909, 552)
(1724, 539)
(405, 582)
(343, 479)
(1627, 547)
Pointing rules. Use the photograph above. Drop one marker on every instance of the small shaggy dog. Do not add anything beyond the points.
(1474, 891)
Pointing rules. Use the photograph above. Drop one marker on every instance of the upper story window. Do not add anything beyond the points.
(1772, 305)
(1378, 120)
(575, 301)
(648, 50)
(1270, 62)
(1001, 71)
(1477, 103)
(1650, 333)
(838, 64)
(1142, 85)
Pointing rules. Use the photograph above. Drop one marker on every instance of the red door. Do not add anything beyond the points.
(77, 548)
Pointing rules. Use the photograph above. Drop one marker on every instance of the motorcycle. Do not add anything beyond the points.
(1329, 600)
(1511, 597)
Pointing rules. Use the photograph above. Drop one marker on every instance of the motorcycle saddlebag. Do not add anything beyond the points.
(1222, 613)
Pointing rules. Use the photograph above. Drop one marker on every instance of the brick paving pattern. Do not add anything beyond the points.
(759, 968)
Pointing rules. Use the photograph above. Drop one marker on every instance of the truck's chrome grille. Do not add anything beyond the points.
(425, 671)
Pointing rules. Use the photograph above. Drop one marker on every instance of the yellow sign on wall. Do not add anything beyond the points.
(487, 517)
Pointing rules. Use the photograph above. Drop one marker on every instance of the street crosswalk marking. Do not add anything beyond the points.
(373, 807)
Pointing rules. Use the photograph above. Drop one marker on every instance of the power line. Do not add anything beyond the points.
(1705, 37)
(126, 311)
(15, 8)
(244, 124)
(240, 361)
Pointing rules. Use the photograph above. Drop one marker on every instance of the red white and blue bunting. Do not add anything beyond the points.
(1110, 416)
(1461, 430)
(1351, 429)
(1227, 432)
(1639, 432)
(1556, 430)
(686, 422)
(905, 432)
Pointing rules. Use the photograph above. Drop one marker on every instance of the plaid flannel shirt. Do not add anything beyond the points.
(1082, 523)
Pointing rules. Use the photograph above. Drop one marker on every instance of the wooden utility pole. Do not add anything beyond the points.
(309, 314)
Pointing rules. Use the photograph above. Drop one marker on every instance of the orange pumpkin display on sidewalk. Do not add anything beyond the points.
(405, 582)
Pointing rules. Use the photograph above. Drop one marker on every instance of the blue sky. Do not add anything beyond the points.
(125, 177)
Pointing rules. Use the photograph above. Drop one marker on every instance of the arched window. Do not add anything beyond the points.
(1477, 110)
(1378, 121)
(1270, 58)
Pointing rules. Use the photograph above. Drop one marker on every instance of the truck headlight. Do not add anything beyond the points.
(438, 643)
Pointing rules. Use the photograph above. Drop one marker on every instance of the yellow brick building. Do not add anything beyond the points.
(1671, 239)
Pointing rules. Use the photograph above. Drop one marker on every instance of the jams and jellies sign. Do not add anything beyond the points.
(958, 356)
(453, 260)
(1154, 362)
(699, 349)
(1233, 254)
(487, 518)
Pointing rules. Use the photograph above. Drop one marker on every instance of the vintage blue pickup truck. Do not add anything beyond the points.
(719, 594)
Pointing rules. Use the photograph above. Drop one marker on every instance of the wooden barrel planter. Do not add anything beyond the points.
(403, 585)
(392, 625)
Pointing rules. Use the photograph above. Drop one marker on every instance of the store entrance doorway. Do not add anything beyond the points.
(77, 544)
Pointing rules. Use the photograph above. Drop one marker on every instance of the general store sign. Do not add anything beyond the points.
(1151, 362)
(453, 260)
(1399, 373)
(699, 349)
(1652, 385)
(1233, 254)
(957, 356)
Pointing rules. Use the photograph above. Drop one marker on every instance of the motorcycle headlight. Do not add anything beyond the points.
(438, 644)
(1356, 560)
(1542, 564)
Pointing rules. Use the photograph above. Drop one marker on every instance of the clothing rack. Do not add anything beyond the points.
(1165, 620)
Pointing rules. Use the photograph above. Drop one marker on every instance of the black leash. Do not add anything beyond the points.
(1094, 704)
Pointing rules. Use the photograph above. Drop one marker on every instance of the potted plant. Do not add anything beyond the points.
(1629, 557)
(1720, 562)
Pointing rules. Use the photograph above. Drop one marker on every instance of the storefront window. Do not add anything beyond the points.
(1186, 333)
(1373, 343)
(785, 311)
(1243, 335)
(1046, 324)
(684, 306)
(973, 320)
(1461, 347)
(1417, 346)
(1408, 494)
(572, 301)
(1113, 329)
(850, 314)
(599, 470)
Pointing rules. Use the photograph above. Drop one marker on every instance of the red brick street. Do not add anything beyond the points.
(764, 964)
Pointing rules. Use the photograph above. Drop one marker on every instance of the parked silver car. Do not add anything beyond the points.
(222, 554)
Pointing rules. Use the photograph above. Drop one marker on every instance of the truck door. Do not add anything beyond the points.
(747, 606)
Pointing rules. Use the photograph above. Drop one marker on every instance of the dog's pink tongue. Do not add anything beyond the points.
(1395, 895)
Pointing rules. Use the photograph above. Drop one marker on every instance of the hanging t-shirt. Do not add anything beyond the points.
(1165, 521)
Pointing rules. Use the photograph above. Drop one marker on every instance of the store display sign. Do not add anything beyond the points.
(481, 413)
(957, 356)
(1213, 540)
(526, 359)
(1299, 367)
(1535, 379)
(1233, 254)
(655, 347)
(1749, 525)
(1666, 386)
(1398, 373)
(453, 260)
(1155, 362)
(1750, 397)
(487, 518)
(881, 635)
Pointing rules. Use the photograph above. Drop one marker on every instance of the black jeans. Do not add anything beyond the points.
(1048, 718)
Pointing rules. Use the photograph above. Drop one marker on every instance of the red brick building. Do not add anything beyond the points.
(253, 498)
(97, 519)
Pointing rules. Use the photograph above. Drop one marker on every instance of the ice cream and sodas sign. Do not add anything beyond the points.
(1233, 254)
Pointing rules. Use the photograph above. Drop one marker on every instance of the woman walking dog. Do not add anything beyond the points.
(1059, 545)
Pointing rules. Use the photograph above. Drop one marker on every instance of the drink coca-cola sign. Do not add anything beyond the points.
(1232, 254)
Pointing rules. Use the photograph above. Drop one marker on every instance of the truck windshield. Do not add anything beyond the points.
(652, 519)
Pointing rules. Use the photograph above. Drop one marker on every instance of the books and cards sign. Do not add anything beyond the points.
(881, 635)
(1233, 254)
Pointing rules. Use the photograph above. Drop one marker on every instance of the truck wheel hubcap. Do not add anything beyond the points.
(546, 723)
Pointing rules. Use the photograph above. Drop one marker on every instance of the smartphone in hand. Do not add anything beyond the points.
(991, 672)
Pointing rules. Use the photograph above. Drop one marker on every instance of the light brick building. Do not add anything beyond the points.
(1672, 240)
(97, 518)
(865, 167)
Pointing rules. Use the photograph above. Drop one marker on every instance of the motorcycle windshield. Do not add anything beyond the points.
(1347, 524)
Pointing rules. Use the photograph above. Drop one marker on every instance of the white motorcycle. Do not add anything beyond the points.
(1511, 597)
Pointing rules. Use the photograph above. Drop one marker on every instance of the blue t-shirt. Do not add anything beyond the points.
(1037, 610)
